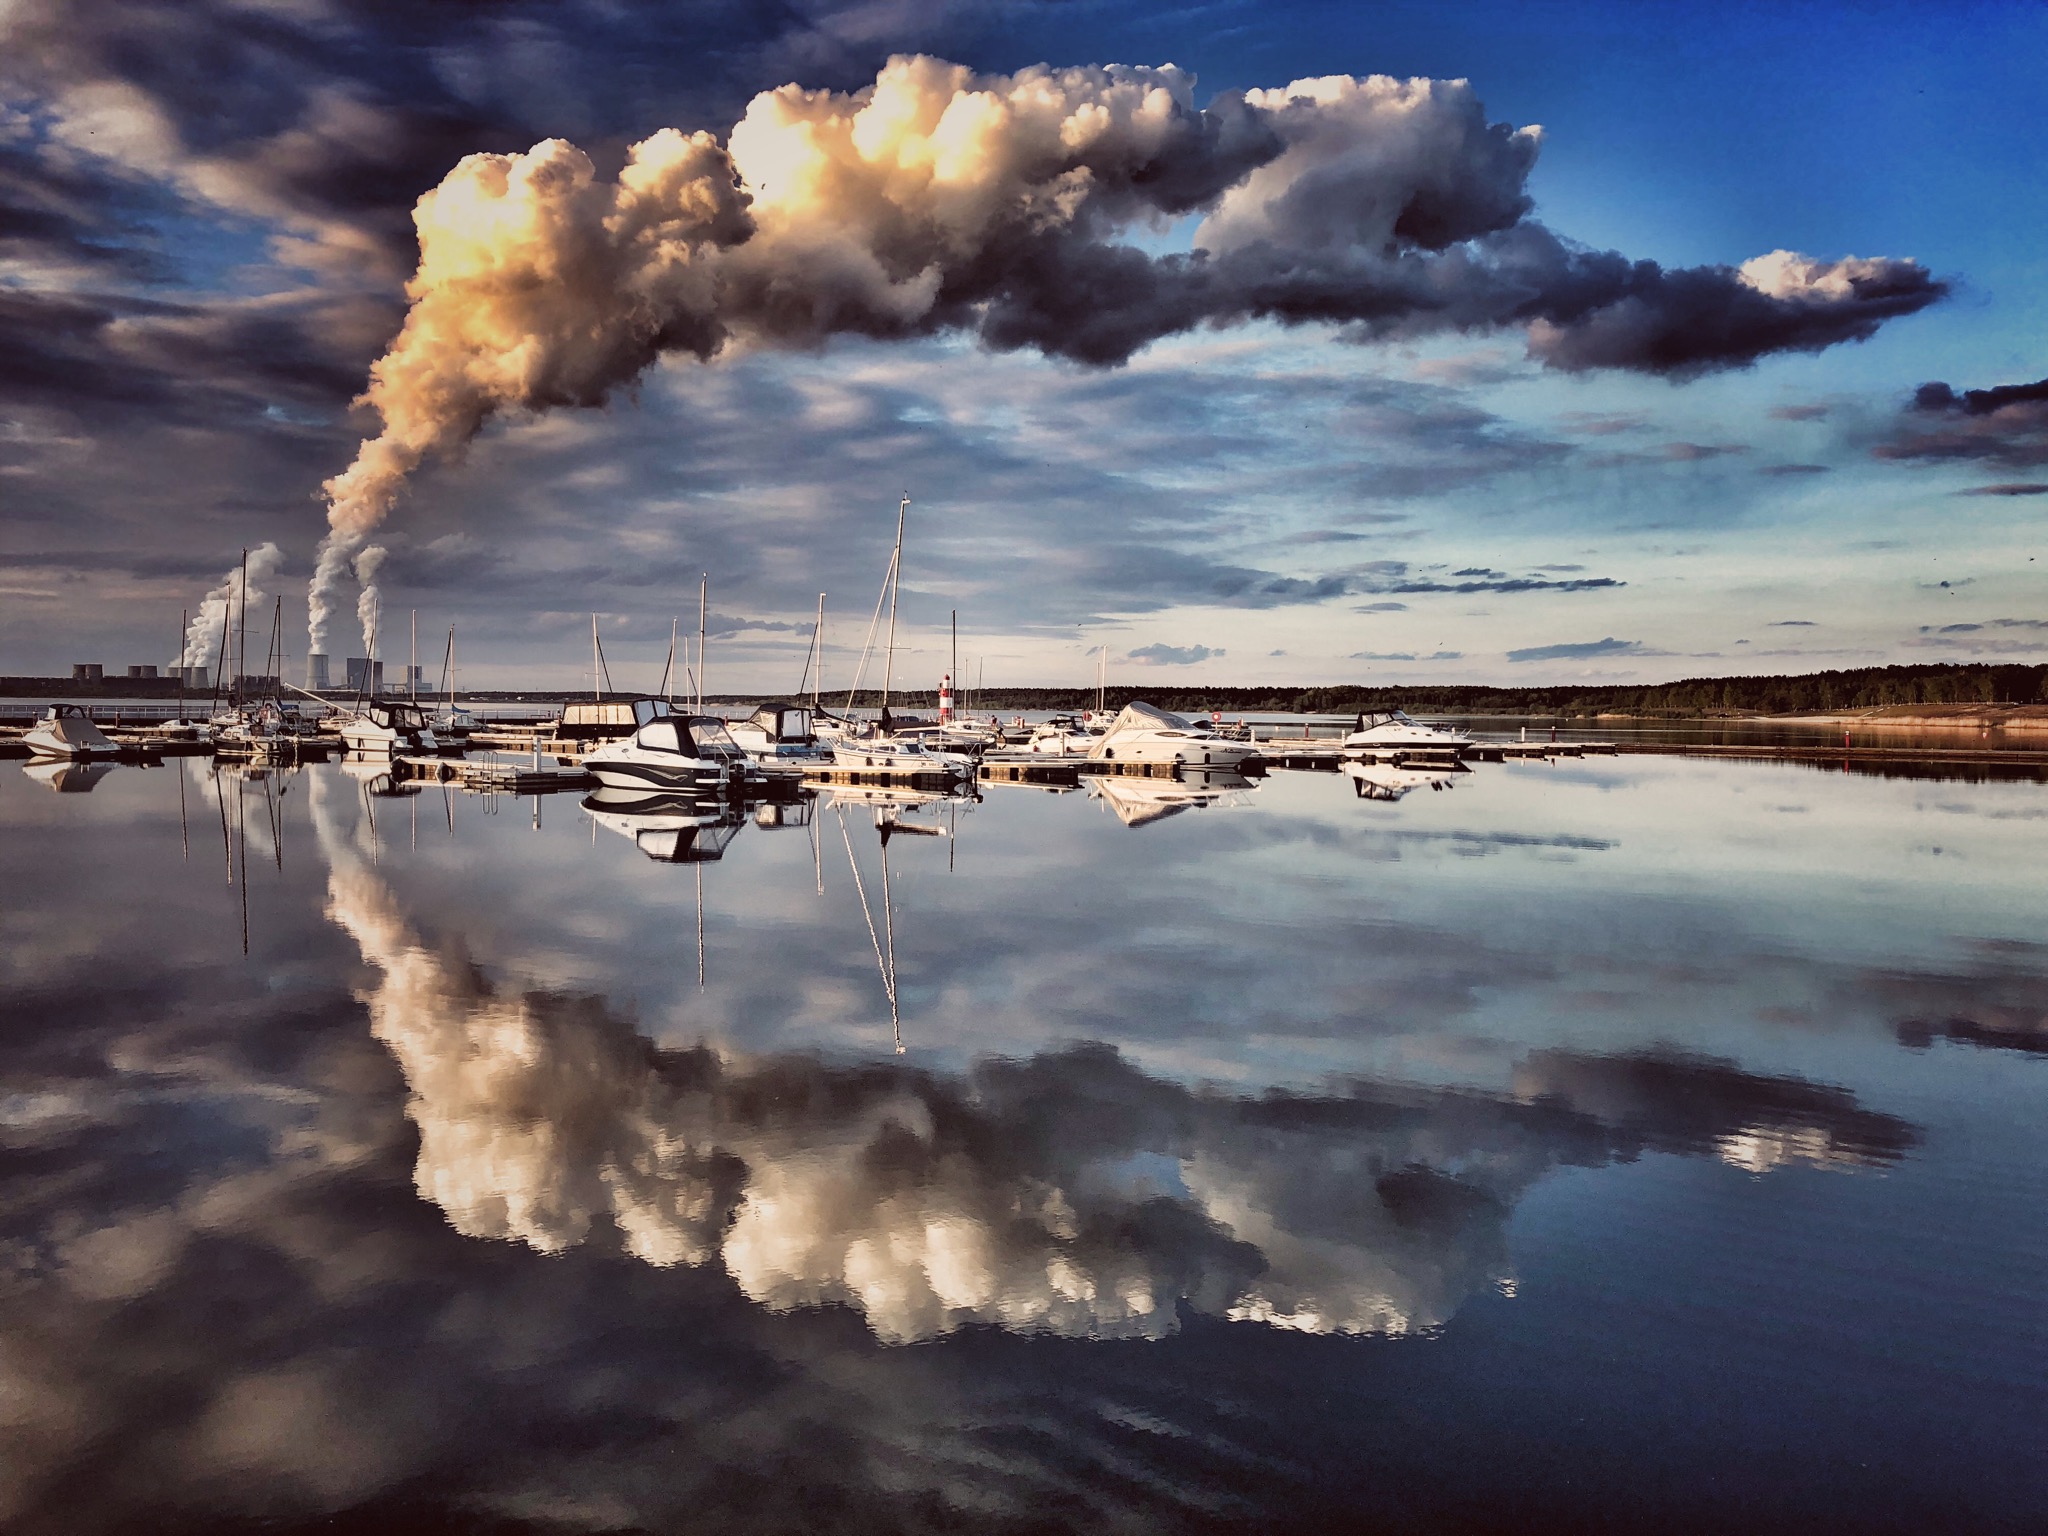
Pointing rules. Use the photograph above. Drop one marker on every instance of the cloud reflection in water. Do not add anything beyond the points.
(1068, 1193)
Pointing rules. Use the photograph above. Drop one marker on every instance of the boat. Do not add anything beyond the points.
(66, 731)
(692, 753)
(888, 753)
(668, 828)
(878, 746)
(1067, 736)
(1137, 802)
(1390, 781)
(780, 735)
(389, 728)
(1391, 730)
(1143, 733)
(68, 776)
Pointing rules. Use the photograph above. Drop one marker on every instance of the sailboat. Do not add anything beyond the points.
(880, 748)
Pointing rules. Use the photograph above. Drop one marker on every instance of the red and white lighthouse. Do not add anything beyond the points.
(946, 698)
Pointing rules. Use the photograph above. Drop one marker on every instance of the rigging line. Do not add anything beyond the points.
(868, 645)
(888, 981)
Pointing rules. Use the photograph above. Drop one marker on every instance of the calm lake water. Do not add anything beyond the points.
(1623, 1144)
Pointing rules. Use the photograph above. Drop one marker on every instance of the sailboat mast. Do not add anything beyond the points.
(818, 642)
(448, 668)
(703, 601)
(895, 586)
(184, 618)
(241, 634)
(596, 673)
(412, 661)
(953, 673)
(668, 671)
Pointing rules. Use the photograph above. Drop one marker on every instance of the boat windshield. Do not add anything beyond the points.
(713, 739)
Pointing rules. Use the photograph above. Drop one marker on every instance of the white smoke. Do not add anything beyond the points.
(218, 608)
(370, 599)
(937, 199)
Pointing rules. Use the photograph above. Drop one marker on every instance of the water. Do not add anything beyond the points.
(1640, 1143)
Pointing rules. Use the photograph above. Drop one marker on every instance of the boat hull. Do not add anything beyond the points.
(684, 776)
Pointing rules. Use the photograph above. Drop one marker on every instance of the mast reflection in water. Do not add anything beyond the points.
(1332, 1148)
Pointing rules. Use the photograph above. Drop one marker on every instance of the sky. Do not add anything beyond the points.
(1242, 380)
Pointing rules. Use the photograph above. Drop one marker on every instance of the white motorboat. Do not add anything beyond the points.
(1138, 801)
(1142, 733)
(1391, 730)
(780, 735)
(670, 829)
(67, 731)
(1390, 781)
(686, 753)
(389, 728)
(900, 754)
(1067, 736)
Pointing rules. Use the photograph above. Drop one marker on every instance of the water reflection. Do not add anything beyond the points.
(1471, 1160)
(1139, 801)
(67, 778)
(1068, 1194)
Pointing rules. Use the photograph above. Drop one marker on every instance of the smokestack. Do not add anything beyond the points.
(316, 672)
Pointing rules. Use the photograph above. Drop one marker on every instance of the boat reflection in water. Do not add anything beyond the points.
(1390, 781)
(669, 828)
(1137, 801)
(1070, 1193)
(67, 776)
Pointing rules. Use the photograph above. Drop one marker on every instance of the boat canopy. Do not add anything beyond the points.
(1149, 717)
(668, 733)
(783, 722)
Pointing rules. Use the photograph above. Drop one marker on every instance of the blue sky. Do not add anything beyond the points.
(204, 236)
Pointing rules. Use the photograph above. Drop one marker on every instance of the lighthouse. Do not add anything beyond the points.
(946, 698)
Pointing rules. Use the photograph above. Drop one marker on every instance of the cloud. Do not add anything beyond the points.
(2008, 488)
(939, 200)
(1579, 651)
(1406, 656)
(1399, 578)
(1792, 469)
(1161, 655)
(1799, 412)
(1381, 608)
(1792, 624)
(1689, 453)
(2006, 424)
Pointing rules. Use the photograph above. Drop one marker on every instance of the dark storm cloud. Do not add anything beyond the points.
(1799, 412)
(1792, 469)
(2006, 424)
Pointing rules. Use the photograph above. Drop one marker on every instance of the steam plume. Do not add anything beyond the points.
(936, 199)
(370, 600)
(217, 608)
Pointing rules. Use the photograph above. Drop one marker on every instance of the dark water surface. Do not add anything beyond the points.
(1624, 1144)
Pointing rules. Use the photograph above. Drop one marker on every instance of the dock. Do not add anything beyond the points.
(492, 775)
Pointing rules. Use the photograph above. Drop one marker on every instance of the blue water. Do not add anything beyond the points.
(1616, 1144)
